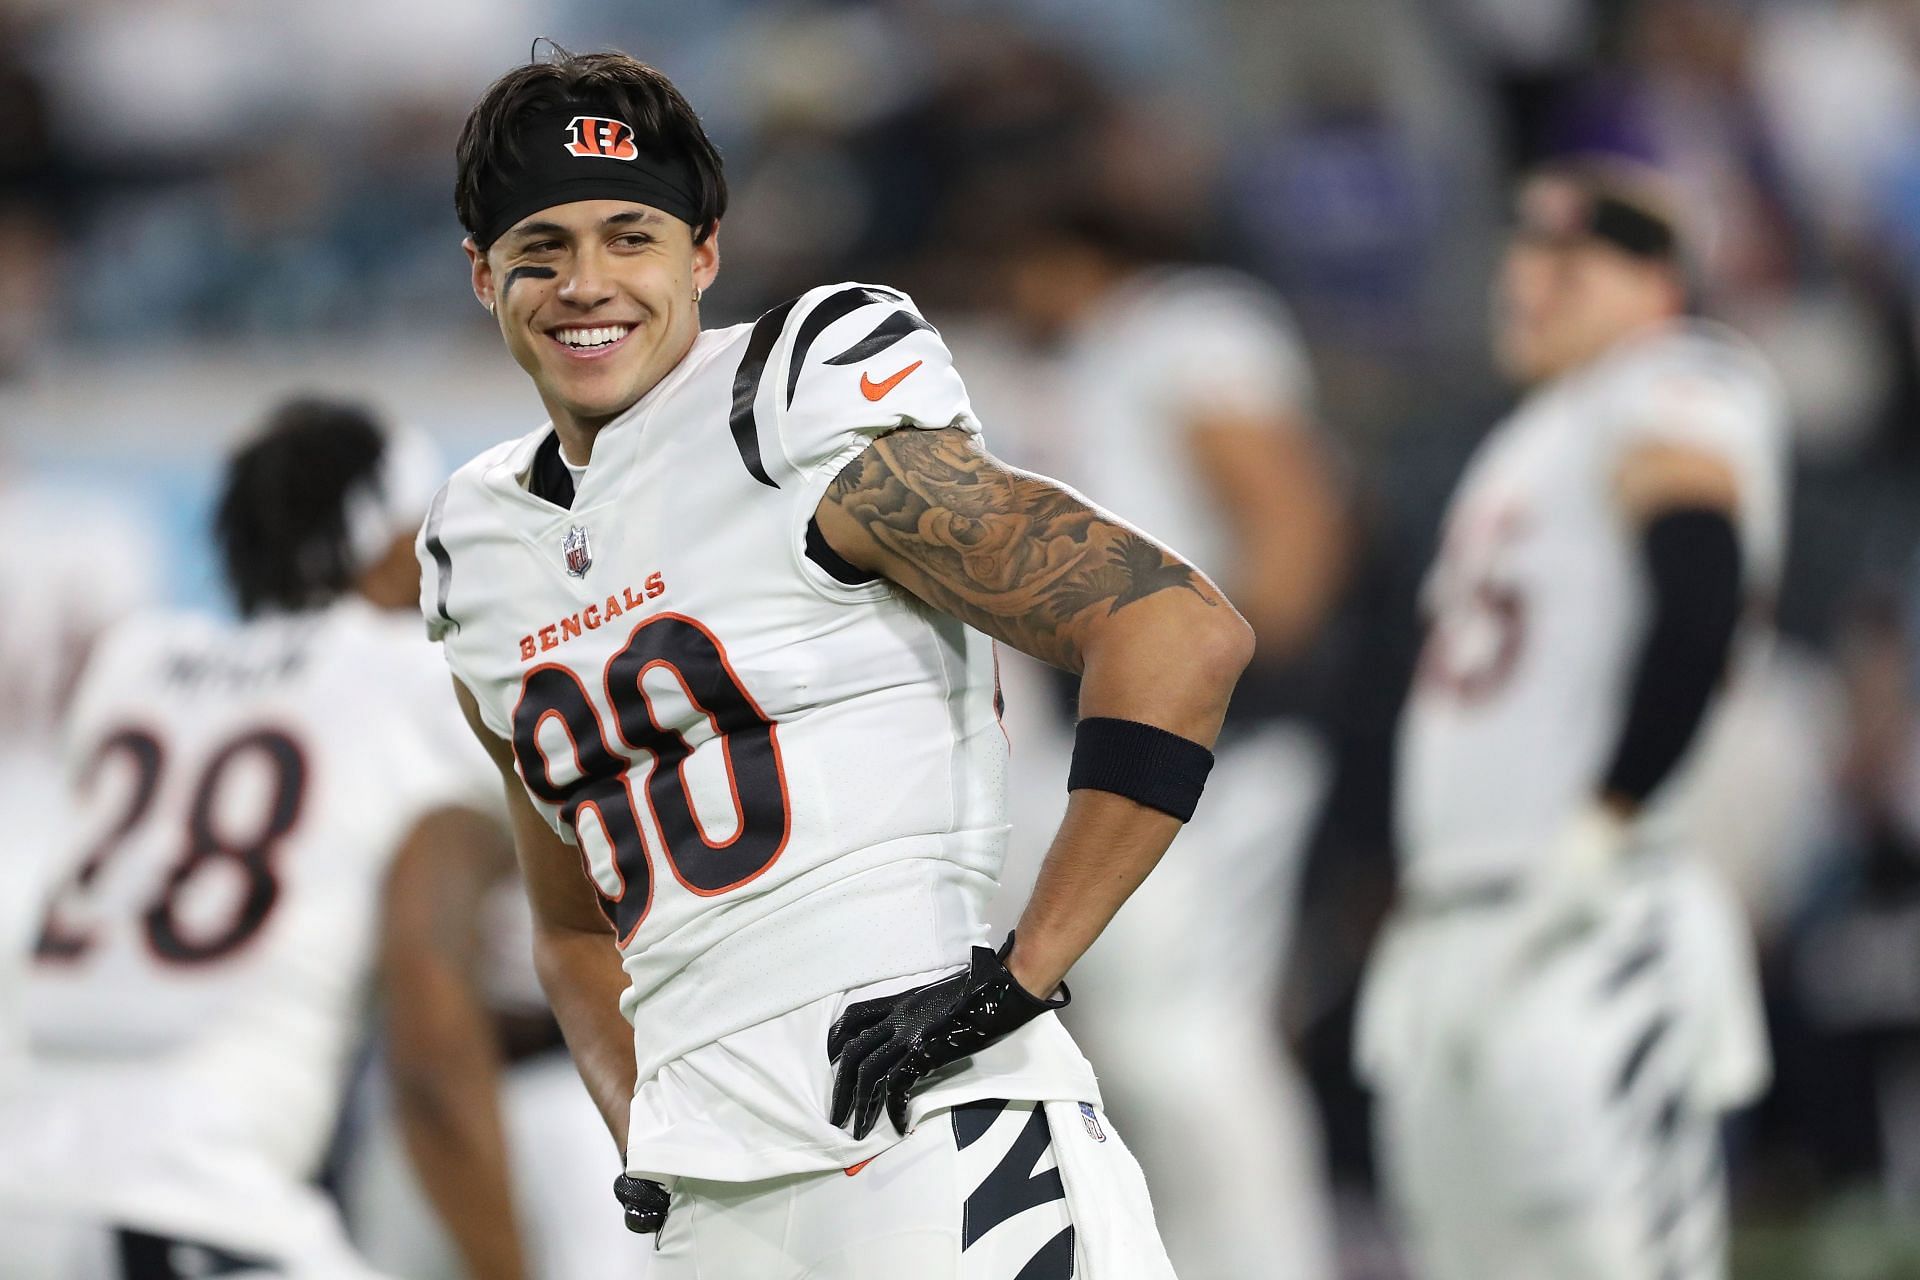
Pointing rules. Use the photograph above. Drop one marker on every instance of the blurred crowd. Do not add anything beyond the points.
(179, 176)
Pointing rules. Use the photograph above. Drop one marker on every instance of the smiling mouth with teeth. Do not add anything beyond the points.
(587, 339)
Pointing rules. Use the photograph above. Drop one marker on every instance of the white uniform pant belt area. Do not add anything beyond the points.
(989, 1190)
(1493, 891)
(1563, 1119)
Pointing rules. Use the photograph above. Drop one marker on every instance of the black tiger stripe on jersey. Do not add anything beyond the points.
(1643, 957)
(743, 422)
(971, 1120)
(442, 562)
(1053, 1262)
(1637, 1056)
(1013, 1187)
(145, 1256)
(834, 306)
(885, 334)
(1672, 1110)
(1682, 1217)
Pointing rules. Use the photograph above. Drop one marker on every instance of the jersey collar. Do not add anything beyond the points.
(534, 472)
(549, 479)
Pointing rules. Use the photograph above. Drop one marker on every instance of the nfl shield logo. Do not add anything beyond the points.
(579, 555)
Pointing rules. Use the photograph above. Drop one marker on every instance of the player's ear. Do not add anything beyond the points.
(706, 260)
(482, 272)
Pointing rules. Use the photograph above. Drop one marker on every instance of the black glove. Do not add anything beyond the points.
(645, 1202)
(884, 1046)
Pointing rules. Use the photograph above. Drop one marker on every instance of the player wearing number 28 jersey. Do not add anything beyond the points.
(726, 622)
(271, 814)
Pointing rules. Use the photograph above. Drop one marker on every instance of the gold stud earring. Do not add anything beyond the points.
(696, 293)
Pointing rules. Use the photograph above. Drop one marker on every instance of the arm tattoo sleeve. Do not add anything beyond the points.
(1018, 556)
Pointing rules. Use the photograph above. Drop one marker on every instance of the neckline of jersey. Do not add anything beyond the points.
(595, 489)
(1654, 337)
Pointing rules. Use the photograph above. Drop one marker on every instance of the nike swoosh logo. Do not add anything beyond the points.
(874, 390)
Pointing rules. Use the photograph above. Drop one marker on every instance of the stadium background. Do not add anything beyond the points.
(206, 203)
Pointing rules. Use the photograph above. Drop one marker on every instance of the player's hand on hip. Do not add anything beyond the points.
(645, 1202)
(1569, 890)
(885, 1046)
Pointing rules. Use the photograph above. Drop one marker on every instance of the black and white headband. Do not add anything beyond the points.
(583, 151)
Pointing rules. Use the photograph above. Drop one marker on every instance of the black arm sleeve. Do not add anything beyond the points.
(1693, 561)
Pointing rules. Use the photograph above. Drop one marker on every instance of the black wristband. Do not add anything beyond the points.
(1142, 762)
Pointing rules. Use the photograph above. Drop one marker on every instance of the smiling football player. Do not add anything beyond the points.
(726, 623)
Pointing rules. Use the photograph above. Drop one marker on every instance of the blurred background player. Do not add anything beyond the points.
(1565, 1005)
(71, 560)
(269, 816)
(1182, 396)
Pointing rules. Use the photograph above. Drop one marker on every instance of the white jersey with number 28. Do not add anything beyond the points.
(201, 967)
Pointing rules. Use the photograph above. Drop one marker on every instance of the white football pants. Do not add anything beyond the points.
(989, 1190)
(1564, 1121)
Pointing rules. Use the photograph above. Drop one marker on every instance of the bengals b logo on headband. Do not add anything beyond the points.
(598, 136)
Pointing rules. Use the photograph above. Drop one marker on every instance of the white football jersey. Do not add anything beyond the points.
(783, 785)
(202, 963)
(1536, 604)
(1164, 348)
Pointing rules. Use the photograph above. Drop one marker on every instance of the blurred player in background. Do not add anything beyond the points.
(271, 814)
(1564, 1004)
(725, 623)
(1181, 396)
(71, 560)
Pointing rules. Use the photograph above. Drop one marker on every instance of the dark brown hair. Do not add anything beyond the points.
(281, 518)
(489, 147)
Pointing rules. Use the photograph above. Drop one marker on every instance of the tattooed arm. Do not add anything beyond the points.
(1031, 563)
